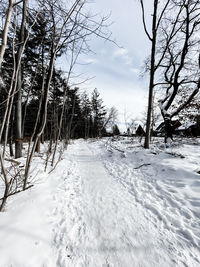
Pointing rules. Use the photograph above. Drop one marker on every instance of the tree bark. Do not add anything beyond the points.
(152, 74)
(5, 31)
(168, 131)
(18, 126)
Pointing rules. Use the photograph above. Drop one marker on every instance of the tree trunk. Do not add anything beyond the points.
(168, 131)
(18, 129)
(11, 136)
(37, 149)
(6, 182)
(5, 31)
(151, 82)
(18, 117)
(43, 116)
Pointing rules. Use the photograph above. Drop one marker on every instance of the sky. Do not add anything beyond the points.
(116, 69)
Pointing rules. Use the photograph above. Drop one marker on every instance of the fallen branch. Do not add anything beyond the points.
(122, 151)
(145, 164)
(13, 161)
(176, 155)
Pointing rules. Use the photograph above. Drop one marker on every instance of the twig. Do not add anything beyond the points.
(19, 191)
(59, 159)
(145, 164)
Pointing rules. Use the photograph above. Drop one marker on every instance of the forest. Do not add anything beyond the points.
(48, 119)
(38, 101)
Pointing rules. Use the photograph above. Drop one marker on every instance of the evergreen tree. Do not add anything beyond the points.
(98, 115)
(86, 113)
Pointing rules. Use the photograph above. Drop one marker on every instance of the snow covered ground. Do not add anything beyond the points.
(109, 204)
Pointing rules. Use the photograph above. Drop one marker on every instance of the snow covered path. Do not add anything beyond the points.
(96, 210)
(109, 230)
(109, 226)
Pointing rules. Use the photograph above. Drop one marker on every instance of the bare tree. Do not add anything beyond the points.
(111, 117)
(11, 175)
(70, 28)
(74, 56)
(156, 20)
(174, 60)
(178, 60)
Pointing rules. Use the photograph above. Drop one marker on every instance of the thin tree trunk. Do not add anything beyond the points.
(18, 129)
(43, 119)
(11, 135)
(32, 150)
(18, 119)
(10, 97)
(168, 131)
(6, 182)
(151, 82)
(5, 31)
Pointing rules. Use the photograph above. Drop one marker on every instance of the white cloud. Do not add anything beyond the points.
(123, 54)
(120, 52)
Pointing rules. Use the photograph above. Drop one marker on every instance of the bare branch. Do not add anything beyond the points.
(144, 22)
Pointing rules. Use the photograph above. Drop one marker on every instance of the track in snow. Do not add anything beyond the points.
(101, 224)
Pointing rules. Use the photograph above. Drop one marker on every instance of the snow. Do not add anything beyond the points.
(186, 125)
(109, 204)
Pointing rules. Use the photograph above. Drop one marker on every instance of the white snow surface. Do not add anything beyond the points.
(108, 204)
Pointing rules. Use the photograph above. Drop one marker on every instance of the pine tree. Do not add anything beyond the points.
(98, 114)
(86, 113)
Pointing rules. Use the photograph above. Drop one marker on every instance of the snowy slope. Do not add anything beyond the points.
(108, 208)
